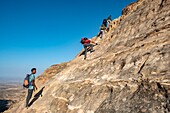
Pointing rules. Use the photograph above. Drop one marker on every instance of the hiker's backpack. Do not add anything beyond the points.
(105, 22)
(26, 81)
(82, 40)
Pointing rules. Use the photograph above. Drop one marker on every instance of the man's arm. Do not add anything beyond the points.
(33, 82)
(93, 42)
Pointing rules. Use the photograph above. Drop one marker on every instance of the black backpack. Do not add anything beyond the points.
(82, 41)
(26, 81)
(105, 22)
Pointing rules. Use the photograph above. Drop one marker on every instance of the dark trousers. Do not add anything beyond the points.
(85, 47)
(30, 91)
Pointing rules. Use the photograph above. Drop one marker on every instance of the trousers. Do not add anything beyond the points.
(30, 91)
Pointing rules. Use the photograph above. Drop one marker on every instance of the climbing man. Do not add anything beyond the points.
(32, 86)
(102, 28)
(87, 46)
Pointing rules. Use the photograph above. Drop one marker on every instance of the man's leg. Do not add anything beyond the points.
(108, 22)
(91, 47)
(99, 34)
(85, 52)
(30, 91)
(102, 33)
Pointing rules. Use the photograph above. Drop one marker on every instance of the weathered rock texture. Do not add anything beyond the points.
(129, 72)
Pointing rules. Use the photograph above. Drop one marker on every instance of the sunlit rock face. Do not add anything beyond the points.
(129, 72)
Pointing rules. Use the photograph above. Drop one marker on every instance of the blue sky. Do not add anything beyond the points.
(40, 33)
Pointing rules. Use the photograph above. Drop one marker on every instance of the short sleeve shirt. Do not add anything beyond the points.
(31, 78)
(87, 41)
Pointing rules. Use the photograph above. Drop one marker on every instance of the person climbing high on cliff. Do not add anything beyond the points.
(102, 28)
(88, 46)
(32, 86)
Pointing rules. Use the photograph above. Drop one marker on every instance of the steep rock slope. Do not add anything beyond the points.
(129, 72)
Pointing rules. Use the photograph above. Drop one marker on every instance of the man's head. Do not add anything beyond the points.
(33, 70)
(84, 38)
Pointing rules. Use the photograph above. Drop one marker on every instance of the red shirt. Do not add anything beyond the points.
(86, 42)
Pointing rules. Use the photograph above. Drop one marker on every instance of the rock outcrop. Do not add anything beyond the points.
(129, 72)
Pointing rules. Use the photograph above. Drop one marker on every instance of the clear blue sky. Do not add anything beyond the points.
(40, 33)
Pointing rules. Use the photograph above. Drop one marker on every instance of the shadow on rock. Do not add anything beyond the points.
(36, 96)
(4, 105)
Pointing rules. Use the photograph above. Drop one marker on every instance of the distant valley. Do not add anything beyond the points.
(10, 93)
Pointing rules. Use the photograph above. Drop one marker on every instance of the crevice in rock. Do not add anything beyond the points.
(123, 62)
(161, 5)
(111, 94)
(140, 69)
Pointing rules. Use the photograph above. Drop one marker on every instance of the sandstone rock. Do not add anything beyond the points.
(129, 72)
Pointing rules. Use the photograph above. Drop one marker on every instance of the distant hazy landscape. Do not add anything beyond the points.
(11, 91)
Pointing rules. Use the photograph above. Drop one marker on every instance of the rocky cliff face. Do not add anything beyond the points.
(129, 72)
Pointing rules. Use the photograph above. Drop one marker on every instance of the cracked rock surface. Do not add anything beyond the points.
(129, 72)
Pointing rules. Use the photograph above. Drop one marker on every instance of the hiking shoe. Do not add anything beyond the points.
(92, 51)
